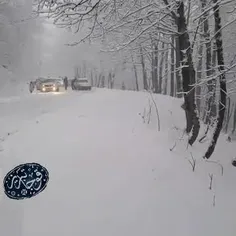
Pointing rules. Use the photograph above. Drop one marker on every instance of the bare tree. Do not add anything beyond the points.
(210, 82)
(222, 78)
(188, 74)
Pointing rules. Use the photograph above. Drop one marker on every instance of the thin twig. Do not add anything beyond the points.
(211, 179)
(158, 118)
(193, 162)
(216, 162)
(171, 149)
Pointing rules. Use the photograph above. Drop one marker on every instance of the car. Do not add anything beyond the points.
(38, 82)
(49, 85)
(81, 84)
(60, 82)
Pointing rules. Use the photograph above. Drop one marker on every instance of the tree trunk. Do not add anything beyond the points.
(166, 72)
(91, 74)
(96, 80)
(135, 74)
(227, 115)
(188, 74)
(155, 68)
(178, 65)
(172, 75)
(103, 81)
(210, 83)
(199, 71)
(222, 78)
(123, 86)
(112, 80)
(234, 120)
(152, 70)
(145, 84)
(99, 80)
(109, 80)
(213, 108)
(161, 67)
(84, 72)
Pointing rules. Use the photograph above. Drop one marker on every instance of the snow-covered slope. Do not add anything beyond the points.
(11, 86)
(111, 170)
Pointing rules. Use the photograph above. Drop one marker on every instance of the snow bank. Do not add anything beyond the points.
(11, 86)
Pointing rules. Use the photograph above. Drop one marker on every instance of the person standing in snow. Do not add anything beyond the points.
(31, 86)
(72, 83)
(66, 82)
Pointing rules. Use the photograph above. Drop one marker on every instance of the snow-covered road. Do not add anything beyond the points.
(90, 145)
(110, 174)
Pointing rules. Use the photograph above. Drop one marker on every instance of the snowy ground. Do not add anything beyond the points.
(111, 173)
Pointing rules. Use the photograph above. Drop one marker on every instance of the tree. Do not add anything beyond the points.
(188, 74)
(125, 25)
(210, 82)
(135, 73)
(123, 86)
(222, 79)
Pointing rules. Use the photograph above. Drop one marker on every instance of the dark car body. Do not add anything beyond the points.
(81, 84)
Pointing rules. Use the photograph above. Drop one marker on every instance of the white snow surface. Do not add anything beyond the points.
(111, 173)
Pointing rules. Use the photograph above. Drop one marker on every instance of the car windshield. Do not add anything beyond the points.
(40, 79)
(83, 80)
(49, 81)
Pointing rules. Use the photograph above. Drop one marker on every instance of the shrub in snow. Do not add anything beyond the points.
(234, 162)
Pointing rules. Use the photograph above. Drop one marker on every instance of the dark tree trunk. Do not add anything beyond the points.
(172, 75)
(112, 80)
(99, 80)
(109, 80)
(152, 69)
(123, 86)
(166, 72)
(135, 74)
(155, 67)
(210, 83)
(199, 71)
(96, 80)
(188, 74)
(103, 81)
(91, 75)
(161, 67)
(222, 79)
(213, 108)
(234, 120)
(177, 73)
(145, 84)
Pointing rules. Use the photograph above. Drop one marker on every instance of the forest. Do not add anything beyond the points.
(182, 48)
